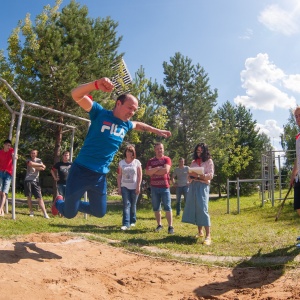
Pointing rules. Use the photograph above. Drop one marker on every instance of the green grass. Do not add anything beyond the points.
(252, 233)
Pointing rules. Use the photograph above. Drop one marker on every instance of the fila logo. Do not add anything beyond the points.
(113, 128)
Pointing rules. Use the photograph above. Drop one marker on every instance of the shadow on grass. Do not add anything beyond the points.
(95, 229)
(180, 240)
(251, 278)
(108, 230)
(21, 252)
(268, 213)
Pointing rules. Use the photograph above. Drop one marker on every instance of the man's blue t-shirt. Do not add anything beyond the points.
(105, 135)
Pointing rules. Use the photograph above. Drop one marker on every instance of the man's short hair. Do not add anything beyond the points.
(158, 143)
(7, 141)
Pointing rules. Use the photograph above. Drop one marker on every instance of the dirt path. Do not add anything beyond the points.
(51, 266)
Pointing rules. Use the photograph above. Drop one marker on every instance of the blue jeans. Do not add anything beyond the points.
(161, 195)
(129, 198)
(81, 180)
(5, 180)
(61, 189)
(180, 190)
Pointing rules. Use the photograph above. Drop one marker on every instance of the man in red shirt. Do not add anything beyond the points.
(158, 168)
(6, 168)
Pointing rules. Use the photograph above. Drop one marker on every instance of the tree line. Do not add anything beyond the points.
(65, 47)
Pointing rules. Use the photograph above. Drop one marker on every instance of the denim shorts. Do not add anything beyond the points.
(5, 180)
(161, 195)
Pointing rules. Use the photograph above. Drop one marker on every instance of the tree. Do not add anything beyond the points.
(189, 100)
(5, 72)
(288, 142)
(238, 144)
(229, 157)
(62, 50)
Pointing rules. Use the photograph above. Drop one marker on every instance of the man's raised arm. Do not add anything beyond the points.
(80, 93)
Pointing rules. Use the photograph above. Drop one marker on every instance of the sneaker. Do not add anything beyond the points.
(31, 214)
(171, 230)
(207, 241)
(298, 238)
(124, 228)
(46, 216)
(132, 224)
(159, 228)
(54, 210)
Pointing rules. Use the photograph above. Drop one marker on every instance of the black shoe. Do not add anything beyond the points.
(159, 228)
(171, 230)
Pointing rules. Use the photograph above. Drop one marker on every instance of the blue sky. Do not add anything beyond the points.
(250, 49)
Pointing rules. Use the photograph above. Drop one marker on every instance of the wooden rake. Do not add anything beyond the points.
(281, 206)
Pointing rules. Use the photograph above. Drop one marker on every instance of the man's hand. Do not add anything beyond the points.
(164, 133)
(104, 84)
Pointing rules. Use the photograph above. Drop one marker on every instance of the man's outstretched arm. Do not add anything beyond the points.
(145, 127)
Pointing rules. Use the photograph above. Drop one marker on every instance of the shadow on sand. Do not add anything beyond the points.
(25, 250)
(243, 277)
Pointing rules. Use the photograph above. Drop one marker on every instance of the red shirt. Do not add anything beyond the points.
(6, 161)
(160, 181)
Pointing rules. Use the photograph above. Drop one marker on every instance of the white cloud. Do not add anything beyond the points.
(282, 20)
(265, 84)
(273, 131)
(270, 128)
(247, 35)
(292, 83)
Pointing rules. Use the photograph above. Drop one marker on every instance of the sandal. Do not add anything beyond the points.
(199, 235)
(207, 241)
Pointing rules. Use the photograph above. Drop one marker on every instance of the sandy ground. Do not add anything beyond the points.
(52, 266)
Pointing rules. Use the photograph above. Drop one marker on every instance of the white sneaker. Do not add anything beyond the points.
(132, 224)
(46, 216)
(31, 214)
(124, 228)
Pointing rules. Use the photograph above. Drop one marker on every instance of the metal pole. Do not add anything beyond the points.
(269, 176)
(15, 160)
(238, 195)
(272, 178)
(279, 179)
(228, 205)
(72, 144)
(262, 177)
